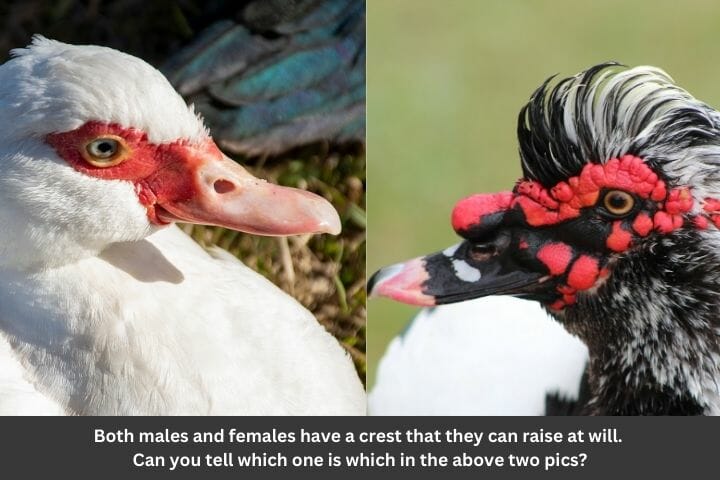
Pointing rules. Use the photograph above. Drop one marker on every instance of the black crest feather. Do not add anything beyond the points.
(548, 151)
(607, 111)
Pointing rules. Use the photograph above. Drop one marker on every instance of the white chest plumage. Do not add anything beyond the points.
(489, 356)
(161, 327)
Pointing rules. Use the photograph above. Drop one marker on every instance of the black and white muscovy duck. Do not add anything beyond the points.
(106, 307)
(613, 229)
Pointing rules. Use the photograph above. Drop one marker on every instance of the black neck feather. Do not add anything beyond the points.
(651, 331)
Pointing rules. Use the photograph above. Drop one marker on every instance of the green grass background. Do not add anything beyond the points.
(447, 79)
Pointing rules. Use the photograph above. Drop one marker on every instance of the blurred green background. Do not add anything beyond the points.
(446, 81)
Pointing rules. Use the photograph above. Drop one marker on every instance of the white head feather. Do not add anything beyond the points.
(55, 87)
(51, 213)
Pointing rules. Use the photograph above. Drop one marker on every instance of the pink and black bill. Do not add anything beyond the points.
(486, 263)
(500, 255)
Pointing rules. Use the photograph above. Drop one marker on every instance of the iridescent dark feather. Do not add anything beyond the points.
(284, 74)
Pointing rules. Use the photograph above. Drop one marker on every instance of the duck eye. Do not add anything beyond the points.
(104, 151)
(618, 203)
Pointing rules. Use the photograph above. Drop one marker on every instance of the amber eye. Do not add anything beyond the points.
(618, 203)
(105, 151)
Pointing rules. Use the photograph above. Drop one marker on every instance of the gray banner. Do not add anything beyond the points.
(362, 447)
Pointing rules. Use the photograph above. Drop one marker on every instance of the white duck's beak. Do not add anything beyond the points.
(221, 192)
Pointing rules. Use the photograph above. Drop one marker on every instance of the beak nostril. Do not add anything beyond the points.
(223, 186)
(483, 249)
(481, 252)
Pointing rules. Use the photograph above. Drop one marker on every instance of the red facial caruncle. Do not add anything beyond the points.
(625, 194)
(192, 182)
(158, 171)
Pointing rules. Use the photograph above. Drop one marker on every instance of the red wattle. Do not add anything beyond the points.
(583, 273)
(556, 257)
(619, 239)
(643, 224)
(144, 162)
(562, 202)
(469, 211)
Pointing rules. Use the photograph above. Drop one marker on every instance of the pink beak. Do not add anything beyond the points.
(214, 190)
(402, 282)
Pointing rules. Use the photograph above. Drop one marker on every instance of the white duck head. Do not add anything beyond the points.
(97, 147)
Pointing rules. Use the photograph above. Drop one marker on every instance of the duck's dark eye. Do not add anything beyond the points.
(103, 148)
(618, 203)
(104, 151)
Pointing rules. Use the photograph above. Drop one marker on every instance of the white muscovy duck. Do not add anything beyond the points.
(106, 308)
(614, 229)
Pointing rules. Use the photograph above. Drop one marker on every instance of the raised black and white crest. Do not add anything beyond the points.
(610, 110)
